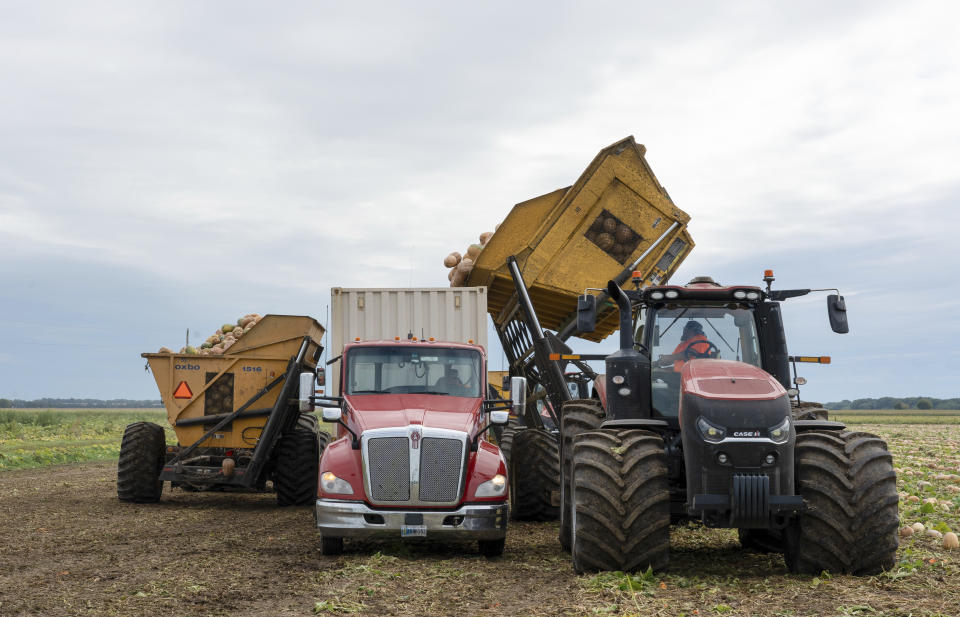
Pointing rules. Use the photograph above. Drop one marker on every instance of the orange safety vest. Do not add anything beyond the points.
(682, 347)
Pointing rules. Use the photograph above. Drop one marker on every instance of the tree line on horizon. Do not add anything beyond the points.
(77, 403)
(892, 402)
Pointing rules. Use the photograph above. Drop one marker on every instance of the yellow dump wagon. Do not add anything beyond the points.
(615, 220)
(235, 417)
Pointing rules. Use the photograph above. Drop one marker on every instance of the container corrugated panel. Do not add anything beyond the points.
(457, 315)
(616, 216)
(221, 384)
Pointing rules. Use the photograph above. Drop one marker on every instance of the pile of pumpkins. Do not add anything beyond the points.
(462, 264)
(221, 340)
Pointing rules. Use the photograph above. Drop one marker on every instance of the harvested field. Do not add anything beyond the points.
(68, 547)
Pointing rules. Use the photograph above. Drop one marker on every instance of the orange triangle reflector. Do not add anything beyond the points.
(183, 391)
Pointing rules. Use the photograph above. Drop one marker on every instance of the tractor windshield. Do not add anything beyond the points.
(683, 333)
(413, 370)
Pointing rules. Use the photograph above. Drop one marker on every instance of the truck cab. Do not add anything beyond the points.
(410, 458)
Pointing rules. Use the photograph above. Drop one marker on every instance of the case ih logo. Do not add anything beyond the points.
(415, 439)
(746, 433)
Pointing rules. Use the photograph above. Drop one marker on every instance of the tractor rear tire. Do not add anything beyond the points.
(620, 502)
(492, 548)
(142, 454)
(331, 546)
(849, 486)
(505, 440)
(297, 466)
(535, 476)
(809, 411)
(578, 416)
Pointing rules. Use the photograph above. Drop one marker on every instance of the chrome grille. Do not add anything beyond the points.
(440, 463)
(388, 466)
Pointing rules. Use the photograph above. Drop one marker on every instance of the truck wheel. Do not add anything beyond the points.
(492, 548)
(535, 476)
(505, 439)
(620, 514)
(761, 540)
(297, 465)
(578, 416)
(331, 546)
(142, 454)
(849, 488)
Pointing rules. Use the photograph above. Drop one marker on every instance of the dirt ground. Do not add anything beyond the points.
(68, 547)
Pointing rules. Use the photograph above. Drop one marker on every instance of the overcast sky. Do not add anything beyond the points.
(170, 165)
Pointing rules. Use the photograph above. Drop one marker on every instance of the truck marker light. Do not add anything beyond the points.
(183, 391)
(617, 379)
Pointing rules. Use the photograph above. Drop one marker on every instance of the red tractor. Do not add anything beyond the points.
(697, 419)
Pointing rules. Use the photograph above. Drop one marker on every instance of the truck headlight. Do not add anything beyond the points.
(781, 432)
(709, 431)
(334, 485)
(494, 487)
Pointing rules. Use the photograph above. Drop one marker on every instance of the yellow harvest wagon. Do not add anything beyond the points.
(235, 416)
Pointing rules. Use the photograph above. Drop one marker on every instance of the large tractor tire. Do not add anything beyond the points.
(620, 501)
(142, 453)
(505, 439)
(297, 465)
(578, 416)
(535, 476)
(849, 488)
(809, 411)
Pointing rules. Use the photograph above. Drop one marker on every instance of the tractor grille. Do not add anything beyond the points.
(389, 468)
(440, 464)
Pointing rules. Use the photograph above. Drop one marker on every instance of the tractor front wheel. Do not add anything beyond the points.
(849, 487)
(578, 416)
(620, 503)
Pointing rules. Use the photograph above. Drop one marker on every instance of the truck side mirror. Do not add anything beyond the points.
(586, 313)
(307, 390)
(500, 416)
(837, 311)
(518, 394)
(331, 414)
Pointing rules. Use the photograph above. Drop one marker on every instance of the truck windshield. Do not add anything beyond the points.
(405, 370)
(683, 333)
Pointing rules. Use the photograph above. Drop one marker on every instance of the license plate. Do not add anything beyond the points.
(413, 531)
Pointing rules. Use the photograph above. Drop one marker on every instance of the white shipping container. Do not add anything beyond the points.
(457, 315)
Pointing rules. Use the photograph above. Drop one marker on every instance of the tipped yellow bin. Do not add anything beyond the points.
(582, 236)
(194, 386)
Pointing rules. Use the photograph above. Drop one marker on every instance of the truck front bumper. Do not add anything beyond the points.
(352, 519)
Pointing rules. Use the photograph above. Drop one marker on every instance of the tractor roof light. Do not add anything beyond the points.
(656, 295)
(753, 295)
(740, 294)
(671, 294)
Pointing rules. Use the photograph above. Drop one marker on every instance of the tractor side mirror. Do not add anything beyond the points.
(518, 394)
(837, 311)
(307, 390)
(586, 313)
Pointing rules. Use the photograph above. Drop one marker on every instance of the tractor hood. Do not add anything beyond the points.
(393, 410)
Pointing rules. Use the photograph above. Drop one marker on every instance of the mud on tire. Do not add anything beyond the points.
(578, 416)
(535, 476)
(849, 486)
(506, 437)
(620, 501)
(142, 454)
(297, 465)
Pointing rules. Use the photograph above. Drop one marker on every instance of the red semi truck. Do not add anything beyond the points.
(410, 457)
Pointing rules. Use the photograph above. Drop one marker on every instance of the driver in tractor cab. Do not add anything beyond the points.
(691, 339)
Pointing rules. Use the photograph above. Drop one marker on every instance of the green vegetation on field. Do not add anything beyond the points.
(895, 416)
(34, 438)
